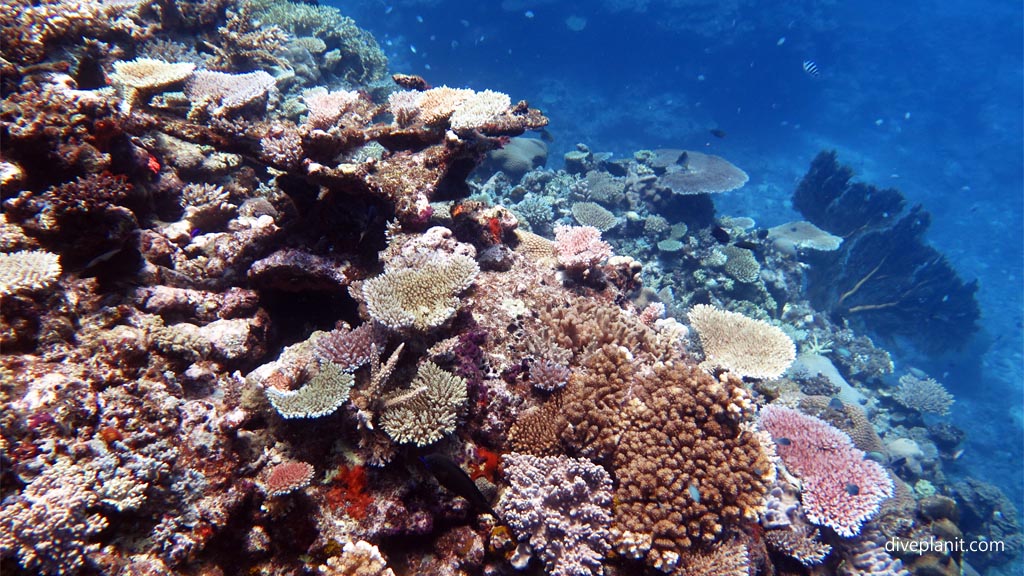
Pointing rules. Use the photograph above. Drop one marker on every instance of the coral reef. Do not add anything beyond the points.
(250, 289)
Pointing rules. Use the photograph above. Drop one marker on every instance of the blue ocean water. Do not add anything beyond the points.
(922, 96)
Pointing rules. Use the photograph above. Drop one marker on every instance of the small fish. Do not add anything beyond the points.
(811, 69)
(835, 404)
(783, 441)
(694, 493)
(529, 14)
(720, 234)
(852, 489)
(898, 462)
(876, 456)
(717, 132)
(762, 234)
(746, 245)
(545, 135)
(454, 478)
(780, 41)
(958, 454)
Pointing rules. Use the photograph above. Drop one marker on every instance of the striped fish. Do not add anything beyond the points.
(811, 68)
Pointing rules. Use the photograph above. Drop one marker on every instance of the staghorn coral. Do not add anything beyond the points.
(561, 507)
(323, 394)
(686, 473)
(282, 146)
(428, 409)
(593, 214)
(841, 488)
(140, 78)
(923, 395)
(421, 298)
(744, 346)
(28, 270)
(196, 195)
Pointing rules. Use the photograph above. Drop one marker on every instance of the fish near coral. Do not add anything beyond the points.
(454, 479)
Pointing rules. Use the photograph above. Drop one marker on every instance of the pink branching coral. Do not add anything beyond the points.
(580, 247)
(841, 488)
(326, 109)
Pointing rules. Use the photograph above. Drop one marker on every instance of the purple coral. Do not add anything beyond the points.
(561, 506)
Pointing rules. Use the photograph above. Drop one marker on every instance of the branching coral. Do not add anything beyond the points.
(744, 346)
(50, 525)
(31, 28)
(580, 247)
(923, 395)
(428, 410)
(685, 470)
(562, 507)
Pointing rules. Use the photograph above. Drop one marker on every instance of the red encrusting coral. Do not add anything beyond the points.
(348, 491)
(488, 465)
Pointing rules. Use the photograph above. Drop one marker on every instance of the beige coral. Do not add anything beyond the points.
(792, 236)
(741, 345)
(28, 270)
(478, 109)
(135, 79)
(428, 410)
(593, 214)
(358, 558)
(423, 297)
(322, 395)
